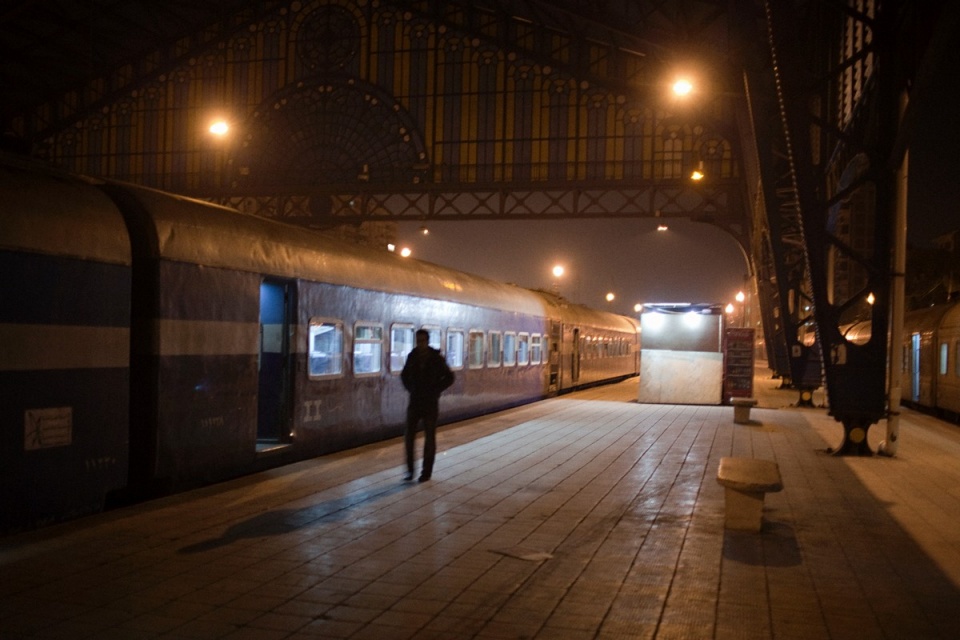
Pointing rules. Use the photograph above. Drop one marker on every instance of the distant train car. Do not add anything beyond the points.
(153, 343)
(921, 373)
(948, 362)
(930, 373)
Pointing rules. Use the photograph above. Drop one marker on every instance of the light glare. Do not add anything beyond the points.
(219, 128)
(691, 319)
(682, 87)
(653, 321)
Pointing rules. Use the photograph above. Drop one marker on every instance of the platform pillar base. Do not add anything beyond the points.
(806, 398)
(854, 440)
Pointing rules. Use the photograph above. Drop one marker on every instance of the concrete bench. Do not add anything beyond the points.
(741, 409)
(746, 481)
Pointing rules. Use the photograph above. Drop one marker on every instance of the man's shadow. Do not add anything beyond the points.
(283, 521)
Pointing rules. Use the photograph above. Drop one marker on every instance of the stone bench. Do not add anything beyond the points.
(746, 481)
(741, 409)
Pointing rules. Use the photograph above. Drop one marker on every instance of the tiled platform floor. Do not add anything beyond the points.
(585, 516)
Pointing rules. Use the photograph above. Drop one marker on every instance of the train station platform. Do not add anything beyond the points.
(583, 516)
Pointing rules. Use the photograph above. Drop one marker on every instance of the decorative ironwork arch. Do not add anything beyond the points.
(328, 39)
(327, 131)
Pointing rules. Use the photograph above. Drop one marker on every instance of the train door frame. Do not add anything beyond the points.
(915, 346)
(575, 356)
(554, 340)
(274, 363)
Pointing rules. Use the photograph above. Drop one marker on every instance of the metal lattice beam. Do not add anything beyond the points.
(839, 129)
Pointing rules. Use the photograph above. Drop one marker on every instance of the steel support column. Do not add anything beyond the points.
(835, 158)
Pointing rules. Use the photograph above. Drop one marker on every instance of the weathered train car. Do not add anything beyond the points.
(216, 343)
(596, 346)
(948, 362)
(930, 373)
(64, 346)
(237, 331)
(920, 373)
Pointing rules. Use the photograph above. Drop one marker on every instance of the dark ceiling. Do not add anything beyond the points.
(53, 47)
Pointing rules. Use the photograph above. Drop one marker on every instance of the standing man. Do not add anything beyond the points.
(425, 375)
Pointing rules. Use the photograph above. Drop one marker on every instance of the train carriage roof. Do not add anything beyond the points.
(198, 232)
(51, 213)
(577, 314)
(951, 317)
(925, 320)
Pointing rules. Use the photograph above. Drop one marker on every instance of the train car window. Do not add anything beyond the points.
(401, 344)
(496, 349)
(509, 349)
(367, 348)
(455, 348)
(944, 358)
(436, 336)
(325, 338)
(523, 348)
(536, 348)
(475, 349)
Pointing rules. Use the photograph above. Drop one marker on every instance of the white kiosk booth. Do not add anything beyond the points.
(681, 358)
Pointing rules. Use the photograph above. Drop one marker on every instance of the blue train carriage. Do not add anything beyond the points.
(152, 343)
(929, 374)
(257, 343)
(64, 347)
(590, 346)
(921, 337)
(947, 392)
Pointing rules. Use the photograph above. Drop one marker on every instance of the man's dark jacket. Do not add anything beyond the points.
(425, 375)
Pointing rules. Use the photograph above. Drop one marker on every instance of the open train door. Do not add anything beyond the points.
(915, 367)
(556, 333)
(575, 357)
(274, 386)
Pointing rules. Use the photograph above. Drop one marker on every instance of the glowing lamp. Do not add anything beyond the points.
(219, 128)
(682, 87)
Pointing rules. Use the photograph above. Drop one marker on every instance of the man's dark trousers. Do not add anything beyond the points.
(427, 411)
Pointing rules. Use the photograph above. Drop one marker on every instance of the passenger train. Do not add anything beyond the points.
(151, 343)
(930, 374)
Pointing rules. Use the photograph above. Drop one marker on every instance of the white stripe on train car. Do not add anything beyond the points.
(206, 338)
(44, 347)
